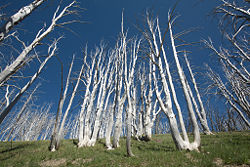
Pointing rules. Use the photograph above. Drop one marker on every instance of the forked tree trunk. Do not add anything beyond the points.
(166, 104)
(176, 103)
(203, 116)
(196, 132)
(60, 134)
(129, 80)
(55, 139)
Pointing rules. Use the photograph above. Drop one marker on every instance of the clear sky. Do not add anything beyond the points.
(104, 17)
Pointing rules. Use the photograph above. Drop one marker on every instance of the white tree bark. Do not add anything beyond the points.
(36, 123)
(141, 113)
(104, 89)
(21, 113)
(110, 123)
(33, 124)
(129, 71)
(70, 103)
(235, 60)
(120, 97)
(5, 101)
(55, 138)
(84, 130)
(166, 104)
(34, 77)
(196, 132)
(148, 105)
(167, 109)
(202, 116)
(118, 121)
(88, 81)
(18, 17)
(157, 53)
(226, 93)
(150, 108)
(21, 60)
(176, 103)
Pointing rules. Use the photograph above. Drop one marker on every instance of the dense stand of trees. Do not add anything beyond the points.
(129, 89)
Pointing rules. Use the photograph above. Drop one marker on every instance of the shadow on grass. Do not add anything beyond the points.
(75, 141)
(102, 142)
(13, 150)
(115, 153)
(155, 146)
(6, 158)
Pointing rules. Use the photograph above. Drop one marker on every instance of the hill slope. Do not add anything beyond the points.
(222, 149)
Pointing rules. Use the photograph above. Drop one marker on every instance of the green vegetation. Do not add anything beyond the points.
(222, 149)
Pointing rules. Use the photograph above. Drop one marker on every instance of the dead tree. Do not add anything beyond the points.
(23, 57)
(234, 60)
(202, 113)
(51, 52)
(18, 17)
(157, 57)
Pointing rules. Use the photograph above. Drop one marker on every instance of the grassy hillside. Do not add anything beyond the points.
(223, 149)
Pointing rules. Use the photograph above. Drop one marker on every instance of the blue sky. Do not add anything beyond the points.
(104, 17)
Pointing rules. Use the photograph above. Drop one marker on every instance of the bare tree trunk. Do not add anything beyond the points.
(21, 112)
(60, 132)
(167, 109)
(118, 123)
(228, 96)
(55, 139)
(129, 80)
(18, 17)
(196, 142)
(21, 60)
(34, 77)
(203, 117)
(109, 129)
(6, 98)
(86, 98)
(176, 103)
(104, 89)
(129, 128)
(85, 139)
(166, 104)
(148, 100)
(120, 98)
(234, 60)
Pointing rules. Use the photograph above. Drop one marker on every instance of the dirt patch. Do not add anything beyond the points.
(80, 161)
(218, 161)
(54, 162)
(158, 140)
(190, 157)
